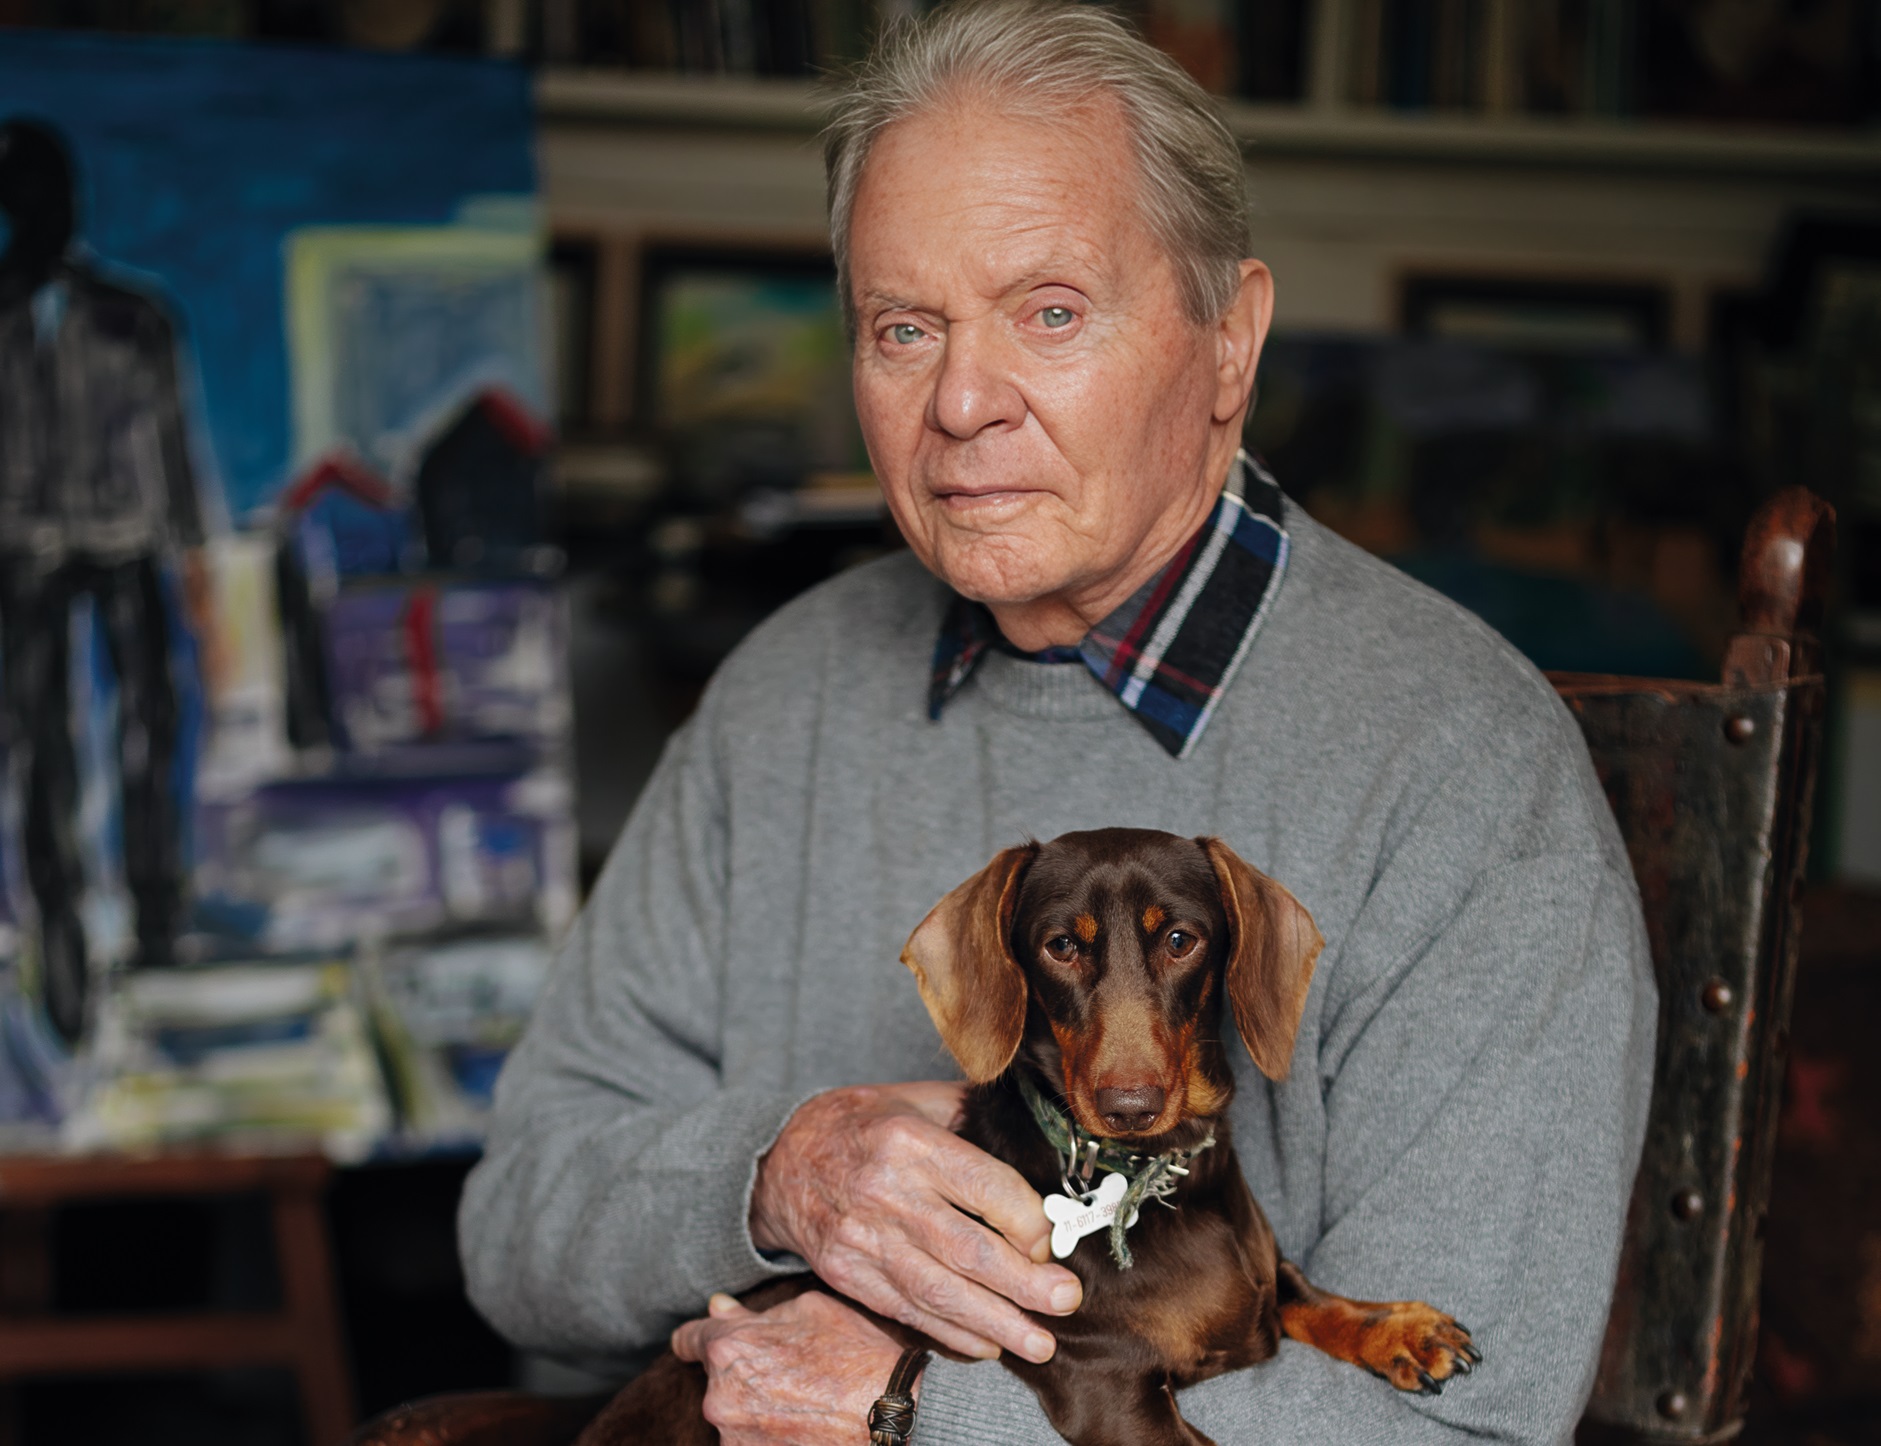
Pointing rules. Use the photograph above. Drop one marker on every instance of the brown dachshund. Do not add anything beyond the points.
(1080, 984)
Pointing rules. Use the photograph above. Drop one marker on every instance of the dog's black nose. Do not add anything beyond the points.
(1129, 1111)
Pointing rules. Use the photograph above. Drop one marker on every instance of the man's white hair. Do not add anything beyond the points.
(1049, 61)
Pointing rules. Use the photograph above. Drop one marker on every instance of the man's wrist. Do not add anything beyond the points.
(770, 1221)
(774, 1217)
(767, 1234)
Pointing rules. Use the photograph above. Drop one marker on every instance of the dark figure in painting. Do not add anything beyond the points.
(96, 493)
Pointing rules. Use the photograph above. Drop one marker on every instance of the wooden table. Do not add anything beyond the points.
(303, 1333)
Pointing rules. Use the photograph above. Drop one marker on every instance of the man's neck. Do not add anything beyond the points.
(1061, 620)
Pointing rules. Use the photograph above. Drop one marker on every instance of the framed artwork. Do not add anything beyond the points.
(744, 369)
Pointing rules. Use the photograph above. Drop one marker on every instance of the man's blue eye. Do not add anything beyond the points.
(906, 333)
(1056, 316)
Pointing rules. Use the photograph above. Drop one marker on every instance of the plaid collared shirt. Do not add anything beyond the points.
(1172, 649)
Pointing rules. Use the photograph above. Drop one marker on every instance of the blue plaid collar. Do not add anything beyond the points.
(1172, 649)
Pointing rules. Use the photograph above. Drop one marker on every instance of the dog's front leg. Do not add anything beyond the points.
(1414, 1346)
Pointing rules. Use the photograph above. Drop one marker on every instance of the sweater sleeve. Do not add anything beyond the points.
(613, 1194)
(1485, 1101)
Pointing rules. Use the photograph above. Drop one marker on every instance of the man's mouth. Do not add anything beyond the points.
(975, 498)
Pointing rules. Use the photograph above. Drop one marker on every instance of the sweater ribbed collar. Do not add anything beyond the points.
(1171, 650)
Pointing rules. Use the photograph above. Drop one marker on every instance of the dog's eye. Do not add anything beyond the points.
(1062, 947)
(1180, 944)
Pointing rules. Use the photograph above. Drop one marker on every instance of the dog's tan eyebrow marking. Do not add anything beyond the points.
(1086, 928)
(1152, 917)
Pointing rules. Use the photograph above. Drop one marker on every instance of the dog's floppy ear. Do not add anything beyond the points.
(961, 955)
(1272, 946)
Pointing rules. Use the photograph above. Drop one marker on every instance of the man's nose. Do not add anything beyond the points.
(974, 391)
(1132, 1109)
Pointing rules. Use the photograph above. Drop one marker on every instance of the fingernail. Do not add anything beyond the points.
(1039, 1347)
(1065, 1297)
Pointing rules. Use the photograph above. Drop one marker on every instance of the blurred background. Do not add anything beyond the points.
(499, 388)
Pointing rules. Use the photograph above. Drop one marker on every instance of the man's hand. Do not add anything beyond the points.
(869, 1185)
(803, 1373)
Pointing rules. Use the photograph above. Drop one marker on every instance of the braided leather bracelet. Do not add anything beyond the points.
(891, 1418)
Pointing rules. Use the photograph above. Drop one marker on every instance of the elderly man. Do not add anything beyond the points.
(1108, 616)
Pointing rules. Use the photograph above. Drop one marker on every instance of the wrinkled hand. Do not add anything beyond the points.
(803, 1373)
(868, 1184)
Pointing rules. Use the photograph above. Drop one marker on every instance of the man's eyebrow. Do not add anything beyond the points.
(874, 301)
(883, 301)
(1042, 276)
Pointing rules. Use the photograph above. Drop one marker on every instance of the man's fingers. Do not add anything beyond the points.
(996, 1193)
(937, 1302)
(863, 1282)
(922, 1203)
(932, 1297)
(966, 1247)
(689, 1342)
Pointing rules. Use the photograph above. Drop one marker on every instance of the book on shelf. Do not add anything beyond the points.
(1248, 48)
(1617, 58)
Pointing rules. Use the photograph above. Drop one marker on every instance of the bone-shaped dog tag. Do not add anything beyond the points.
(1072, 1220)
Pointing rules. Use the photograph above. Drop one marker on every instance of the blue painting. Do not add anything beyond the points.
(270, 320)
(204, 168)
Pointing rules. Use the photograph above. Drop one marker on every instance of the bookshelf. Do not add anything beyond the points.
(1668, 59)
(576, 96)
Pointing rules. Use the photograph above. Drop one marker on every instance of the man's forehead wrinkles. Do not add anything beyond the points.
(992, 271)
(950, 227)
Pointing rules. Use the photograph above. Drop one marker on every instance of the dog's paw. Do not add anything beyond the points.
(1416, 1347)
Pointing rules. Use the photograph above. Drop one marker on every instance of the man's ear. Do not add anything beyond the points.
(1272, 947)
(1239, 336)
(961, 955)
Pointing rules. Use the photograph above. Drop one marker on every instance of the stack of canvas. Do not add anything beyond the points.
(447, 1014)
(251, 1054)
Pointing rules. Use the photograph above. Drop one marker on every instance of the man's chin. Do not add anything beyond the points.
(995, 587)
(1005, 569)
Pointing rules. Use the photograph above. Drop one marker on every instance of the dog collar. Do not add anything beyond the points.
(1081, 1209)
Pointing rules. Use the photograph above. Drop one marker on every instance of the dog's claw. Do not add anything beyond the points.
(1429, 1382)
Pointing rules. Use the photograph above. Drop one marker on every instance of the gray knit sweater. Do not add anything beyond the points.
(1469, 1088)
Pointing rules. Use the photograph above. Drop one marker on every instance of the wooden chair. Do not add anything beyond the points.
(303, 1334)
(1712, 785)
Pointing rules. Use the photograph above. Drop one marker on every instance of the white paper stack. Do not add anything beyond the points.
(252, 1056)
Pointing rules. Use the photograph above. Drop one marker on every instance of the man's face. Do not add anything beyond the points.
(1037, 404)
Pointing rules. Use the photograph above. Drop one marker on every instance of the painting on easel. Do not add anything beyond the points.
(273, 403)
